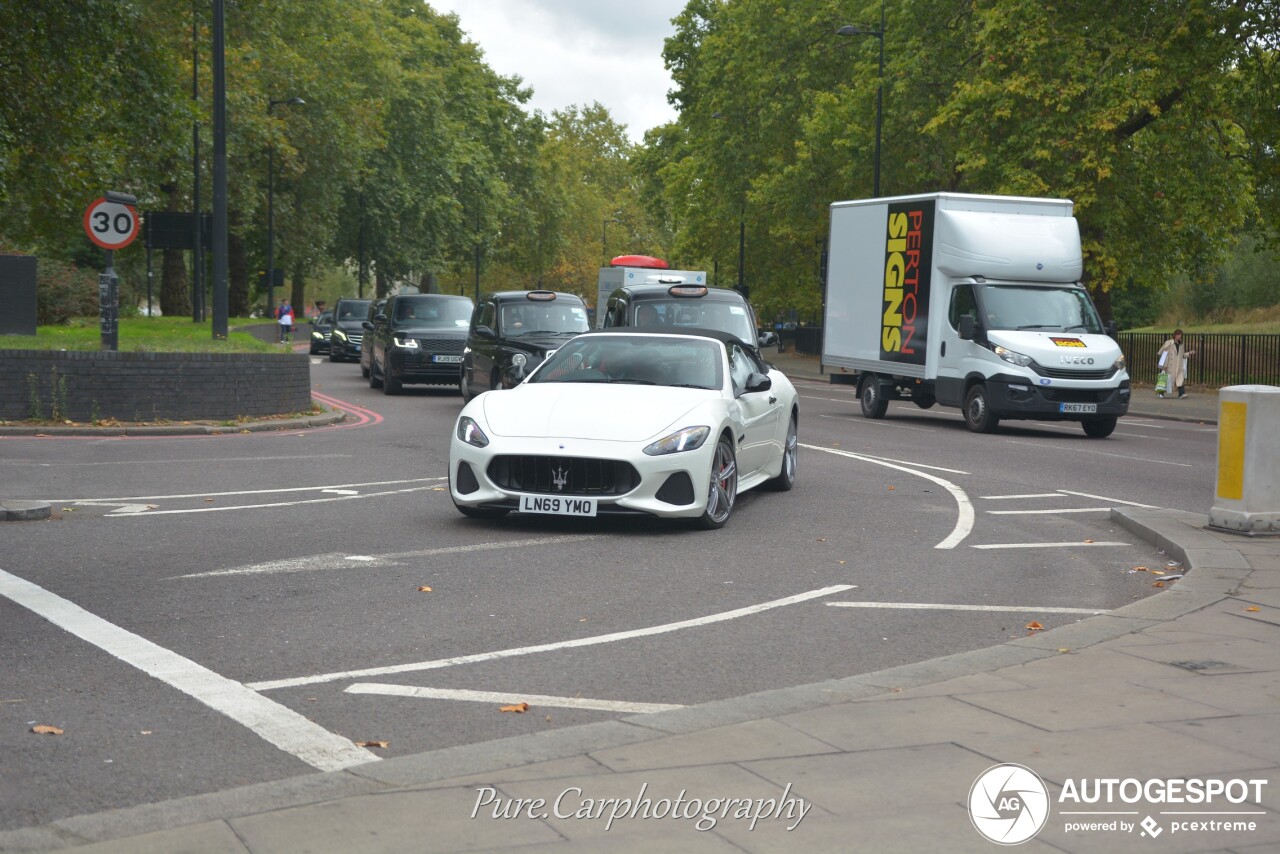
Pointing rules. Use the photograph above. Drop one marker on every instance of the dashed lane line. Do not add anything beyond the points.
(1051, 512)
(493, 697)
(278, 725)
(594, 640)
(1075, 545)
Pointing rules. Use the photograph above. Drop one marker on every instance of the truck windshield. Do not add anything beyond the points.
(1062, 309)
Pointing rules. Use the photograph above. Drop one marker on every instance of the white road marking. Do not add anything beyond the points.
(504, 699)
(876, 422)
(252, 491)
(120, 508)
(1029, 495)
(281, 726)
(223, 508)
(612, 637)
(964, 520)
(1105, 498)
(1049, 512)
(330, 561)
(1091, 452)
(1076, 545)
(934, 607)
(342, 491)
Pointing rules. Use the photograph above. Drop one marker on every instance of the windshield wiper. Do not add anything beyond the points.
(1040, 326)
(631, 381)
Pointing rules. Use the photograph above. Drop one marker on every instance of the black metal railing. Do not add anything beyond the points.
(1221, 359)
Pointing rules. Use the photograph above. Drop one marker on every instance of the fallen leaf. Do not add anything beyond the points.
(382, 744)
(1088, 541)
(145, 732)
(842, 563)
(1140, 569)
(68, 509)
(44, 729)
(822, 539)
(1064, 649)
(893, 487)
(518, 708)
(1157, 584)
(1157, 572)
(1253, 608)
(1034, 626)
(208, 500)
(424, 589)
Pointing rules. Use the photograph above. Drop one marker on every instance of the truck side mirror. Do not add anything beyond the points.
(967, 326)
(1112, 329)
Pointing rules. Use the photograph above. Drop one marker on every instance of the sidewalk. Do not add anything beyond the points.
(1183, 685)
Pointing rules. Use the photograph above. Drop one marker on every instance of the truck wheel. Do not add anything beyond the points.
(977, 414)
(874, 403)
(1098, 428)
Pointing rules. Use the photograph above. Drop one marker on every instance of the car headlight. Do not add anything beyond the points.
(338, 333)
(316, 333)
(686, 439)
(1012, 356)
(406, 343)
(1119, 364)
(469, 431)
(519, 360)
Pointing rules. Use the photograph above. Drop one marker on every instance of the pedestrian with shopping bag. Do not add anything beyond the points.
(1172, 364)
(285, 316)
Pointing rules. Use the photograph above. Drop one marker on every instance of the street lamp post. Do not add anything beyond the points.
(742, 229)
(271, 174)
(849, 30)
(604, 232)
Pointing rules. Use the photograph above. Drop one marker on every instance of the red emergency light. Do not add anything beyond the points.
(639, 261)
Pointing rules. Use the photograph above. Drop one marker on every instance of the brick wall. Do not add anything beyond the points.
(88, 385)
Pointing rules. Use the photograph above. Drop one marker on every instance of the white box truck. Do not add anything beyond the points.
(969, 301)
(638, 270)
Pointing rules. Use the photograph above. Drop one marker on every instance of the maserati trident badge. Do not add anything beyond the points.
(559, 477)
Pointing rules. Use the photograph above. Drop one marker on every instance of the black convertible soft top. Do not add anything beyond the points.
(692, 331)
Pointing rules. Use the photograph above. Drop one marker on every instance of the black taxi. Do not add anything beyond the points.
(675, 303)
(512, 332)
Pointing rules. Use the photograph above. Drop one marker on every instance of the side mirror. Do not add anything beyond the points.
(759, 382)
(967, 327)
(368, 327)
(1111, 328)
(484, 332)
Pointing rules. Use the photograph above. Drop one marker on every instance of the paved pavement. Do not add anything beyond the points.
(1154, 727)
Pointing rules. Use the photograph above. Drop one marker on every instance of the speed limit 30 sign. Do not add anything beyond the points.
(111, 225)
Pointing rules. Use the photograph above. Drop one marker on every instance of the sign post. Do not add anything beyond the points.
(112, 223)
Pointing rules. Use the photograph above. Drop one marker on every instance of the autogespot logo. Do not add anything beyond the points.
(1008, 804)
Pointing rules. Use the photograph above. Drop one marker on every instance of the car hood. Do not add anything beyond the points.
(623, 413)
(538, 345)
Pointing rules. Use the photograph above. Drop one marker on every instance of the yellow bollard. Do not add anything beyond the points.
(1247, 495)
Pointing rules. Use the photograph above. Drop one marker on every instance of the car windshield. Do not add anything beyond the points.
(1036, 307)
(699, 312)
(353, 309)
(542, 318)
(680, 362)
(428, 311)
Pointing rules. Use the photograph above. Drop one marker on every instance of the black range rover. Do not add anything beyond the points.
(417, 338)
(348, 329)
(512, 332)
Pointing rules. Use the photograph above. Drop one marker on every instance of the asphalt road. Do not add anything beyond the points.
(207, 612)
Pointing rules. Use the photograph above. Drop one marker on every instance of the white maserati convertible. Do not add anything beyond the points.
(657, 422)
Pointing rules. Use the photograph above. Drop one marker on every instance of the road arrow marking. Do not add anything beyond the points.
(342, 491)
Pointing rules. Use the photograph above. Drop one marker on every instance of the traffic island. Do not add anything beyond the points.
(24, 511)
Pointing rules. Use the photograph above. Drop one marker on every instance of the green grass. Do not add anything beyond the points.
(146, 335)
(1258, 321)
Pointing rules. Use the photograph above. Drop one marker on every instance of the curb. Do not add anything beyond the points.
(262, 426)
(1213, 571)
(24, 511)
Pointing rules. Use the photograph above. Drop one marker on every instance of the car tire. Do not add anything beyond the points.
(790, 459)
(977, 410)
(390, 385)
(722, 489)
(364, 372)
(333, 356)
(464, 387)
(375, 381)
(874, 403)
(1099, 428)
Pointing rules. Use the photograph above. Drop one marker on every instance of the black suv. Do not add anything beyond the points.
(375, 309)
(321, 329)
(512, 332)
(674, 303)
(417, 338)
(348, 331)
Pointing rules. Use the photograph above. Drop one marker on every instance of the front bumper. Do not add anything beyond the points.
(419, 366)
(668, 470)
(1014, 399)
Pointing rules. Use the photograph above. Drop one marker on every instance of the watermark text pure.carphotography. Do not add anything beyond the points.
(574, 802)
